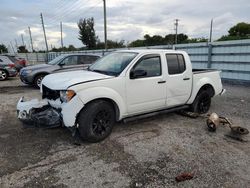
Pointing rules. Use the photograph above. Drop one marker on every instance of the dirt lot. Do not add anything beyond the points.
(145, 153)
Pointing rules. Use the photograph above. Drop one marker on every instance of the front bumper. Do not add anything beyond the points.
(49, 113)
(26, 79)
(38, 113)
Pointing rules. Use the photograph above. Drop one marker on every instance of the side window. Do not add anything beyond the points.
(150, 64)
(85, 59)
(1, 60)
(71, 60)
(176, 64)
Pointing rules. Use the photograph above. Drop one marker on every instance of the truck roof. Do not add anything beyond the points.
(150, 50)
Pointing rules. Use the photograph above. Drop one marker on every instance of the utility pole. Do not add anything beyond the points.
(105, 24)
(176, 29)
(211, 31)
(44, 33)
(22, 39)
(31, 42)
(61, 34)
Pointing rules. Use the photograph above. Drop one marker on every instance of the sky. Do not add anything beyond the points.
(126, 19)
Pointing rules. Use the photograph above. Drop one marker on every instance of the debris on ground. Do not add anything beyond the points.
(184, 177)
(214, 120)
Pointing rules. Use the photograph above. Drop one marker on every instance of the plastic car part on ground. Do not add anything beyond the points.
(44, 113)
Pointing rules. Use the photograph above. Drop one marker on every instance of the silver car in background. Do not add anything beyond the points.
(34, 74)
(7, 68)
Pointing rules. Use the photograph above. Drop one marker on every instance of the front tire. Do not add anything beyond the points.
(96, 121)
(38, 80)
(3, 75)
(201, 103)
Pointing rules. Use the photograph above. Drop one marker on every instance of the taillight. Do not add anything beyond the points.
(11, 65)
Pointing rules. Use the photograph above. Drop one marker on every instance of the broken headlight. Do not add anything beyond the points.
(67, 95)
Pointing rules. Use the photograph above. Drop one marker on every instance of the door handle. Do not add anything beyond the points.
(186, 78)
(161, 82)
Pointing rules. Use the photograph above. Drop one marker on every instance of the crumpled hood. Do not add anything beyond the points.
(61, 81)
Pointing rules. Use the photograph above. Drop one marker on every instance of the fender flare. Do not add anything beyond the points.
(95, 93)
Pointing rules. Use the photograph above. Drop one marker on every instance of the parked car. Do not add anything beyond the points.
(123, 85)
(7, 68)
(18, 61)
(34, 74)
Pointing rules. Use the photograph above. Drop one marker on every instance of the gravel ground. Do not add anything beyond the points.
(143, 153)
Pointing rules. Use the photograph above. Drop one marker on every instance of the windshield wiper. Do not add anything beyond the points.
(100, 71)
(104, 72)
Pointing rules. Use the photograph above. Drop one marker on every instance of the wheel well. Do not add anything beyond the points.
(209, 88)
(115, 106)
(38, 74)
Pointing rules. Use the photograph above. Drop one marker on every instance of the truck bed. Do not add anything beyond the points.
(198, 71)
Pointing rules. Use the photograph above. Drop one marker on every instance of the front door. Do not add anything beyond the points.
(69, 63)
(145, 85)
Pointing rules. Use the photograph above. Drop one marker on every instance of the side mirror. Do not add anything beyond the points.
(137, 73)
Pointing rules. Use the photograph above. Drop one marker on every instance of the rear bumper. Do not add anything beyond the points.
(12, 72)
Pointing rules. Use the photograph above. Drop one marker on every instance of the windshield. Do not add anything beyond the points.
(113, 64)
(56, 60)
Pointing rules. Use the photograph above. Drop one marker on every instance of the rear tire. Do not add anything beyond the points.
(3, 75)
(96, 121)
(201, 103)
(38, 80)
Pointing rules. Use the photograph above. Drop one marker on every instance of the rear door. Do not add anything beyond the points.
(179, 80)
(86, 60)
(147, 92)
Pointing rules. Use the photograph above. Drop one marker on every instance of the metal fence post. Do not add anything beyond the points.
(209, 57)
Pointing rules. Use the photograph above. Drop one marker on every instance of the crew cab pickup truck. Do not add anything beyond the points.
(125, 84)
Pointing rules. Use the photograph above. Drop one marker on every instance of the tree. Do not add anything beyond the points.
(22, 49)
(240, 29)
(3, 49)
(111, 44)
(87, 32)
(159, 40)
(64, 49)
(237, 32)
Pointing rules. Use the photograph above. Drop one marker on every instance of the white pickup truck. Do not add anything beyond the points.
(125, 84)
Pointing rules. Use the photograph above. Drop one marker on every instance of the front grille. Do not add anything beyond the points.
(49, 93)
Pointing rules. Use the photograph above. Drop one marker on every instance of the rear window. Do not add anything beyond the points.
(176, 63)
(86, 59)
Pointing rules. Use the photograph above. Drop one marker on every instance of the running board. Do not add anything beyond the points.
(146, 115)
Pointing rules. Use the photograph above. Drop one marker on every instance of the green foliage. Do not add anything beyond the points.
(241, 29)
(111, 44)
(137, 43)
(159, 40)
(64, 49)
(237, 32)
(22, 49)
(196, 40)
(3, 48)
(87, 32)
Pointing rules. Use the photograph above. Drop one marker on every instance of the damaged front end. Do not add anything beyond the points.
(44, 113)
